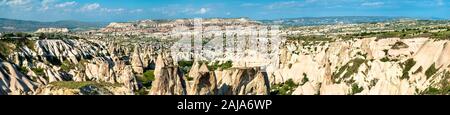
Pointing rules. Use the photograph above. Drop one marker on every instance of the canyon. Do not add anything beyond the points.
(119, 65)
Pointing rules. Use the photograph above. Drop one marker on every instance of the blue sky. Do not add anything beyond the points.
(129, 10)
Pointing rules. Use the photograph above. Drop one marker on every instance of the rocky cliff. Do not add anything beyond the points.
(54, 60)
(367, 66)
(364, 66)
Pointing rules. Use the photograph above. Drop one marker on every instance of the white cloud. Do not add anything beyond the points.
(249, 4)
(112, 10)
(177, 9)
(99, 8)
(16, 2)
(287, 4)
(45, 4)
(169, 10)
(90, 7)
(26, 5)
(136, 11)
(66, 4)
(202, 11)
(373, 4)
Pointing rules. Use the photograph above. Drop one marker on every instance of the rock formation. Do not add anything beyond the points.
(84, 90)
(374, 66)
(242, 81)
(14, 82)
(204, 81)
(168, 78)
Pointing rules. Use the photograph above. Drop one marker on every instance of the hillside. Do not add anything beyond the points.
(11, 25)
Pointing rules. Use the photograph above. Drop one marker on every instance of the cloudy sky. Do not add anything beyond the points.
(128, 10)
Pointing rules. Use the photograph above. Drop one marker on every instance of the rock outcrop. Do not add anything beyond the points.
(85, 90)
(168, 78)
(368, 66)
(136, 61)
(14, 82)
(242, 81)
(204, 81)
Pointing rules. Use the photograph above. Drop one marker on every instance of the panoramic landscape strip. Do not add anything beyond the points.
(205, 49)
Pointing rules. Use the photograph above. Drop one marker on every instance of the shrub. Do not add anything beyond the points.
(386, 52)
(356, 89)
(285, 88)
(384, 59)
(189, 78)
(407, 65)
(399, 45)
(443, 86)
(223, 66)
(185, 65)
(147, 78)
(305, 79)
(23, 70)
(38, 71)
(350, 70)
(149, 75)
(66, 66)
(141, 91)
(78, 85)
(431, 71)
(420, 69)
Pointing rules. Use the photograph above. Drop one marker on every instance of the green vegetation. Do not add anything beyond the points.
(185, 66)
(223, 66)
(436, 91)
(66, 66)
(401, 33)
(5, 49)
(142, 91)
(189, 78)
(150, 75)
(420, 69)
(23, 69)
(304, 80)
(442, 88)
(31, 26)
(431, 71)
(399, 45)
(81, 65)
(350, 68)
(386, 52)
(364, 55)
(407, 65)
(373, 83)
(38, 71)
(78, 85)
(443, 35)
(356, 89)
(311, 40)
(55, 36)
(387, 59)
(285, 88)
(146, 80)
(10, 45)
(16, 35)
(384, 59)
